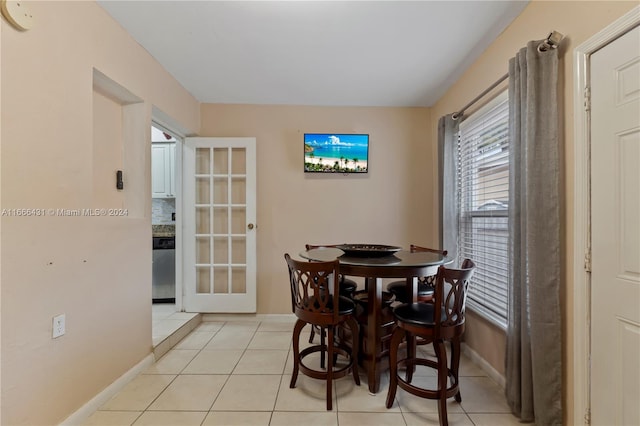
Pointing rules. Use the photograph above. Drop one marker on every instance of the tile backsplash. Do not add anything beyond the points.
(161, 209)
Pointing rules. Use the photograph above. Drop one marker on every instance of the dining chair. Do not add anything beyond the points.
(426, 285)
(438, 322)
(316, 300)
(347, 286)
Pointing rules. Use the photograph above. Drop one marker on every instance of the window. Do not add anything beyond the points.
(483, 191)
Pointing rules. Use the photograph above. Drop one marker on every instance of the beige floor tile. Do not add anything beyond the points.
(112, 418)
(196, 340)
(204, 393)
(171, 418)
(312, 360)
(491, 419)
(261, 362)
(182, 315)
(237, 418)
(205, 326)
(173, 362)
(326, 418)
(229, 339)
(370, 419)
(358, 398)
(421, 370)
(241, 325)
(286, 326)
(415, 404)
(162, 310)
(309, 394)
(190, 392)
(248, 393)
(165, 327)
(427, 350)
(482, 395)
(288, 367)
(271, 340)
(468, 368)
(427, 419)
(214, 362)
(139, 393)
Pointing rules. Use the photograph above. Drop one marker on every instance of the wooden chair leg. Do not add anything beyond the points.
(312, 334)
(353, 326)
(296, 351)
(411, 354)
(455, 365)
(396, 338)
(324, 347)
(441, 355)
(330, 369)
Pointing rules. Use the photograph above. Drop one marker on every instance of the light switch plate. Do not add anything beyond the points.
(58, 326)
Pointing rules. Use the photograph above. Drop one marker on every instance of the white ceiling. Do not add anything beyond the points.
(334, 53)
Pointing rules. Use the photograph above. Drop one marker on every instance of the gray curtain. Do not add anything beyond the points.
(447, 141)
(534, 334)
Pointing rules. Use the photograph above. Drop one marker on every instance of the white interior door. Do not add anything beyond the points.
(615, 213)
(219, 224)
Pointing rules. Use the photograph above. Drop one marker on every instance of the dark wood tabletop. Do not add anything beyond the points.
(401, 264)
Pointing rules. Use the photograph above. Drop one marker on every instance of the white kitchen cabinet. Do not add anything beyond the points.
(163, 182)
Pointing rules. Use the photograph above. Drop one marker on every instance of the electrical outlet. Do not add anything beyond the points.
(58, 326)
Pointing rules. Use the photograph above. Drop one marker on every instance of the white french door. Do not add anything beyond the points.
(615, 218)
(219, 210)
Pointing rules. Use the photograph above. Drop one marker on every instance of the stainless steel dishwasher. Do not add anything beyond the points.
(164, 270)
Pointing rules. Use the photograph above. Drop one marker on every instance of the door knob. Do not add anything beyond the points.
(250, 226)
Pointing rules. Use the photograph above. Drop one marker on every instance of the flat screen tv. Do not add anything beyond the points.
(336, 153)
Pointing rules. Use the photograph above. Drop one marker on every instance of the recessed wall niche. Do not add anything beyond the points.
(119, 143)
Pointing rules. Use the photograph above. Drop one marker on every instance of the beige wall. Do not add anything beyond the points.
(60, 150)
(97, 270)
(392, 204)
(578, 21)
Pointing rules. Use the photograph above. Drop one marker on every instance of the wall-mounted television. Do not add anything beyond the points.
(336, 153)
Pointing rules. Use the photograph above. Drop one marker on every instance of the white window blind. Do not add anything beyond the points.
(483, 188)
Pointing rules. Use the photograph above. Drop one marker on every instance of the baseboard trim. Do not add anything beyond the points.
(83, 413)
(248, 317)
(482, 363)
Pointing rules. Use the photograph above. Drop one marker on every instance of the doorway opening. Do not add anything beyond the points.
(167, 319)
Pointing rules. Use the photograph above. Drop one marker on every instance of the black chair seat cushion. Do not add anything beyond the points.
(346, 306)
(347, 286)
(399, 289)
(420, 314)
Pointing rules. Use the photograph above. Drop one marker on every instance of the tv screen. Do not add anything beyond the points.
(336, 153)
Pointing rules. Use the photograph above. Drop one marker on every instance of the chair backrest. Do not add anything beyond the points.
(451, 293)
(314, 290)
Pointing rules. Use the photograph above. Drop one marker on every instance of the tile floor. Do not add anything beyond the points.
(166, 321)
(237, 373)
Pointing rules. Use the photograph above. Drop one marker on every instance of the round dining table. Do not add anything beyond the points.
(373, 267)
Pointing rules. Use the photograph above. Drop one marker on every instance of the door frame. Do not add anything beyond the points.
(582, 211)
(162, 120)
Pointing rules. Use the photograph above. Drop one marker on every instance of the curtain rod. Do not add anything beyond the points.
(551, 42)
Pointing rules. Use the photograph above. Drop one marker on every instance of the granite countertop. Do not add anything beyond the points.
(165, 230)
